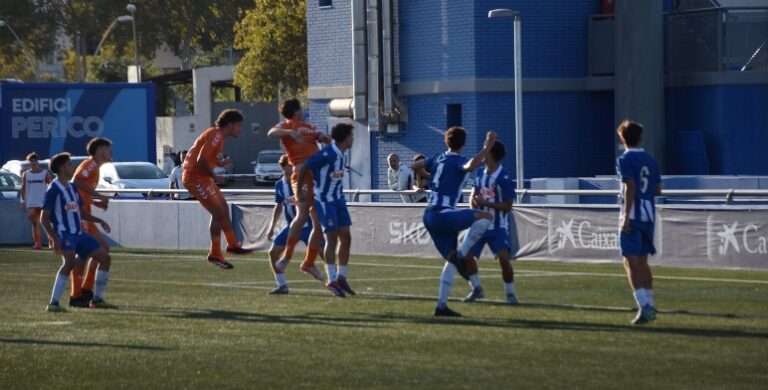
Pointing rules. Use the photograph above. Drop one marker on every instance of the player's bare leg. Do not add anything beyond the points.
(331, 243)
(474, 279)
(635, 274)
(508, 275)
(345, 242)
(274, 256)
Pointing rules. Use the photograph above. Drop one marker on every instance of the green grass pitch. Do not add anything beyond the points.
(185, 324)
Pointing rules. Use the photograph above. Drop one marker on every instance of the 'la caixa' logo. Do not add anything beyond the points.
(728, 238)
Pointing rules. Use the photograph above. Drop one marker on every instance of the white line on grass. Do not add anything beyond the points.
(175, 258)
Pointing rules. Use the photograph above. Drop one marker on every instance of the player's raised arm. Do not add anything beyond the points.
(83, 186)
(277, 131)
(472, 164)
(419, 167)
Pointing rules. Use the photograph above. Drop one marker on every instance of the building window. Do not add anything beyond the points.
(453, 115)
(326, 3)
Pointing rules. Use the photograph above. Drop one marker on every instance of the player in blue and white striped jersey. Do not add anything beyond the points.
(641, 183)
(441, 218)
(494, 192)
(328, 168)
(285, 203)
(61, 219)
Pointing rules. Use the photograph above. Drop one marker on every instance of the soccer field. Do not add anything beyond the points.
(185, 324)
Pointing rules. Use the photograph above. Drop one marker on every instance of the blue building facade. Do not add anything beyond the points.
(456, 65)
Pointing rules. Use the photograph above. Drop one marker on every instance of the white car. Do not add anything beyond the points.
(17, 167)
(10, 185)
(266, 168)
(132, 175)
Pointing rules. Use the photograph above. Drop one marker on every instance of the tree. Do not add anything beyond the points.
(274, 39)
(34, 25)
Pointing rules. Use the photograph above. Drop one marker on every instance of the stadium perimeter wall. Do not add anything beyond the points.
(699, 236)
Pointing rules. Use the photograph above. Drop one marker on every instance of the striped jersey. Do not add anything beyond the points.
(637, 165)
(327, 167)
(495, 187)
(448, 175)
(64, 201)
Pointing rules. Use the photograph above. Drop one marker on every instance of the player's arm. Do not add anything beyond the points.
(45, 220)
(23, 192)
(206, 151)
(278, 132)
(420, 168)
(83, 186)
(313, 162)
(275, 216)
(629, 200)
(90, 217)
(474, 162)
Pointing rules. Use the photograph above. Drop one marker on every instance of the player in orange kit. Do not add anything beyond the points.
(299, 139)
(198, 178)
(86, 179)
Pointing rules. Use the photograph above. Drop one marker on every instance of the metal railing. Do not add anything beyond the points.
(701, 40)
(726, 195)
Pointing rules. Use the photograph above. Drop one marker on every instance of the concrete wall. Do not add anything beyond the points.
(259, 118)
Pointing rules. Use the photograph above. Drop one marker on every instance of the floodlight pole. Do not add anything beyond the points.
(23, 48)
(132, 9)
(501, 13)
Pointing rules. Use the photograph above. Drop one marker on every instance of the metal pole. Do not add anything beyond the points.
(132, 9)
(518, 106)
(23, 48)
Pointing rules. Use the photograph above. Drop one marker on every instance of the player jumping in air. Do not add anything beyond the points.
(199, 179)
(299, 140)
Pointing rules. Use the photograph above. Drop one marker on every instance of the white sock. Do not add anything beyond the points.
(280, 279)
(474, 281)
(475, 232)
(343, 271)
(509, 287)
(58, 287)
(649, 295)
(102, 278)
(640, 297)
(330, 269)
(446, 283)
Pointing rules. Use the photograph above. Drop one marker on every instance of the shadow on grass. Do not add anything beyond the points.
(563, 325)
(252, 317)
(380, 320)
(81, 344)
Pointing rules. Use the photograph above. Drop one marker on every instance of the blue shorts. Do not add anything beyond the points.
(82, 244)
(444, 226)
(333, 215)
(282, 237)
(639, 241)
(496, 239)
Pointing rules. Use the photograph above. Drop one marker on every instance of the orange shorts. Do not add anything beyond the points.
(204, 189)
(34, 213)
(88, 226)
(307, 187)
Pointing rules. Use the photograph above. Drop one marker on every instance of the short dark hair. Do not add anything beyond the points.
(341, 131)
(183, 153)
(228, 116)
(498, 151)
(289, 107)
(282, 161)
(418, 157)
(455, 137)
(32, 156)
(57, 161)
(630, 132)
(95, 144)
